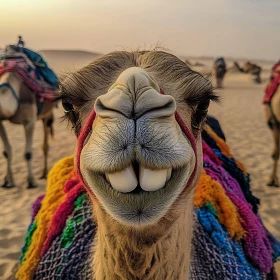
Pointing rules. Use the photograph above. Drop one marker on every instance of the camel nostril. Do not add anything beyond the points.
(134, 94)
(108, 109)
(162, 111)
(155, 105)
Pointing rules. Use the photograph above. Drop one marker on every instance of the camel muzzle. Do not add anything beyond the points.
(137, 97)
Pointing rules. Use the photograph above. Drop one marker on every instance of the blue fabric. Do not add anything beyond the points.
(231, 252)
(275, 244)
(45, 71)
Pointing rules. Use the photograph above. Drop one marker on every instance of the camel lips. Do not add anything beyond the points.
(125, 181)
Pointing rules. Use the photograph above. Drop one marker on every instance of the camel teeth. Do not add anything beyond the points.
(169, 173)
(152, 180)
(123, 181)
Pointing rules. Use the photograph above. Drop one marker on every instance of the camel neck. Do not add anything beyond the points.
(157, 252)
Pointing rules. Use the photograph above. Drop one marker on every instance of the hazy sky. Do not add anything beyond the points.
(240, 28)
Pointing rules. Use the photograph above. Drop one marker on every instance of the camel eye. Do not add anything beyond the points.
(67, 107)
(203, 106)
(72, 116)
(199, 116)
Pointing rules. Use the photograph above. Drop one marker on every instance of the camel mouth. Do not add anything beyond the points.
(133, 204)
(136, 169)
(136, 177)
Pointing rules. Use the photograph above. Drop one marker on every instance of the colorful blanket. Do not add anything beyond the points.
(29, 75)
(230, 242)
(42, 66)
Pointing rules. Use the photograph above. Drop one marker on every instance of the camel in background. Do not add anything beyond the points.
(20, 105)
(272, 113)
(250, 68)
(219, 71)
(196, 64)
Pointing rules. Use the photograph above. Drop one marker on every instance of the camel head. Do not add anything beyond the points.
(9, 94)
(138, 116)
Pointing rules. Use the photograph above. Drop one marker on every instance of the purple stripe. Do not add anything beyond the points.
(257, 245)
(36, 206)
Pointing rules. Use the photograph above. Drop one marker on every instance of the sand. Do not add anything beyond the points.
(241, 116)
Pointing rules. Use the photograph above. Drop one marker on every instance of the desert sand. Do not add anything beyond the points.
(240, 114)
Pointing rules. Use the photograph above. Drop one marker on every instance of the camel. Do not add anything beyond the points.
(219, 71)
(196, 64)
(154, 163)
(272, 114)
(139, 118)
(19, 105)
(250, 68)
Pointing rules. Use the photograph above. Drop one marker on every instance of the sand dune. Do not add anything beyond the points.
(241, 116)
(63, 61)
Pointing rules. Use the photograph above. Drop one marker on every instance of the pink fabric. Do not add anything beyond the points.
(271, 89)
(46, 93)
(256, 243)
(209, 152)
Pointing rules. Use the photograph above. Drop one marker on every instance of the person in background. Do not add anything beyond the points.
(20, 43)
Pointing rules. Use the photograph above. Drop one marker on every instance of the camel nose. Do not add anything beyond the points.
(135, 93)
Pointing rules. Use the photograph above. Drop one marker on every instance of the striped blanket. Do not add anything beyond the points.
(229, 240)
(29, 75)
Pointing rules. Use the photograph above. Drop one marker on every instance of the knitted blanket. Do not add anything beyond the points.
(229, 240)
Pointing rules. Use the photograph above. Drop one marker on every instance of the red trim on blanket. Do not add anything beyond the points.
(45, 93)
(59, 219)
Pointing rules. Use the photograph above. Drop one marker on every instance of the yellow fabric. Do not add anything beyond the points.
(58, 175)
(209, 190)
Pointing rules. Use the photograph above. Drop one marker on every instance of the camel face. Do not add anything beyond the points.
(136, 160)
(9, 85)
(138, 117)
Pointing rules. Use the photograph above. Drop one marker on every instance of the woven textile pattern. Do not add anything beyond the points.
(229, 239)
